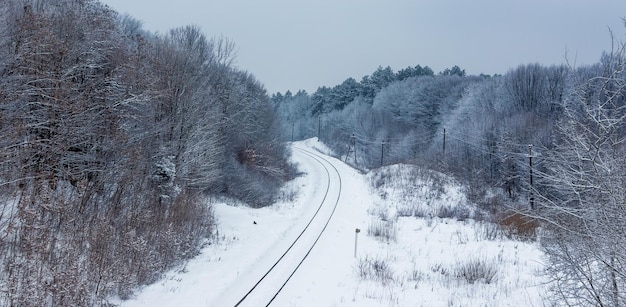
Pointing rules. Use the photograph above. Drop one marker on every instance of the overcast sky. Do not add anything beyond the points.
(293, 44)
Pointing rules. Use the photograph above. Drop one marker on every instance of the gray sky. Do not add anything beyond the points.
(296, 44)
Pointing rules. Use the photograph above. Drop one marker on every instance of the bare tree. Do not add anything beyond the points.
(584, 203)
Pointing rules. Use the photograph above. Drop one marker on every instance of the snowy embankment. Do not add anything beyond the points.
(406, 254)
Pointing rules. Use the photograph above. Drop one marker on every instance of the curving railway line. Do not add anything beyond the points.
(268, 287)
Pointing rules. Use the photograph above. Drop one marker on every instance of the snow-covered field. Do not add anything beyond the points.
(402, 259)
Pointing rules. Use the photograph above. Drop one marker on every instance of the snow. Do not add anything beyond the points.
(8, 209)
(414, 266)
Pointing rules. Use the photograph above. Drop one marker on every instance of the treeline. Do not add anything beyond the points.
(547, 140)
(111, 137)
(475, 127)
(403, 110)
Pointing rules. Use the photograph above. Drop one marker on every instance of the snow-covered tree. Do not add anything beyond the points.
(110, 137)
(583, 205)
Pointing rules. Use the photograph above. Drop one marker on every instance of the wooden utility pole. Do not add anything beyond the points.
(349, 146)
(382, 152)
(292, 127)
(354, 146)
(444, 144)
(530, 162)
(356, 239)
(319, 127)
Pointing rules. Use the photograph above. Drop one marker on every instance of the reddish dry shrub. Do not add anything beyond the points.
(518, 225)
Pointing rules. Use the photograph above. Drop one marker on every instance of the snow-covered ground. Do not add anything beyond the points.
(401, 259)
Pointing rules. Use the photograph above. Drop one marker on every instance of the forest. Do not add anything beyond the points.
(115, 140)
(542, 144)
(111, 140)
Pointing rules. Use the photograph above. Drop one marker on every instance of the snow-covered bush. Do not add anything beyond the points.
(477, 270)
(383, 230)
(418, 192)
(374, 268)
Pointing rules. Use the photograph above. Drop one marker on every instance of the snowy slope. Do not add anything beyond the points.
(414, 266)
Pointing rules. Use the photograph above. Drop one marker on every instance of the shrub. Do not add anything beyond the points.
(445, 212)
(518, 226)
(477, 270)
(409, 211)
(439, 268)
(383, 230)
(374, 269)
(488, 231)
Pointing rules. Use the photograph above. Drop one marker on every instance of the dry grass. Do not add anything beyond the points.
(518, 225)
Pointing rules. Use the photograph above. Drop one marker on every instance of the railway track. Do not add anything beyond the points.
(284, 268)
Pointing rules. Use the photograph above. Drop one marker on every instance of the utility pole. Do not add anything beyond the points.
(356, 239)
(319, 126)
(444, 144)
(292, 127)
(354, 146)
(349, 145)
(382, 151)
(530, 161)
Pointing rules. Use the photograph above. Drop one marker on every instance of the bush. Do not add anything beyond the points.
(488, 231)
(439, 268)
(459, 212)
(445, 212)
(383, 230)
(477, 270)
(518, 226)
(409, 211)
(374, 269)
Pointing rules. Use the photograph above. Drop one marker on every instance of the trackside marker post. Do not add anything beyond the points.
(356, 239)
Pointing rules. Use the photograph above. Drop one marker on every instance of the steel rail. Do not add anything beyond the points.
(318, 158)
